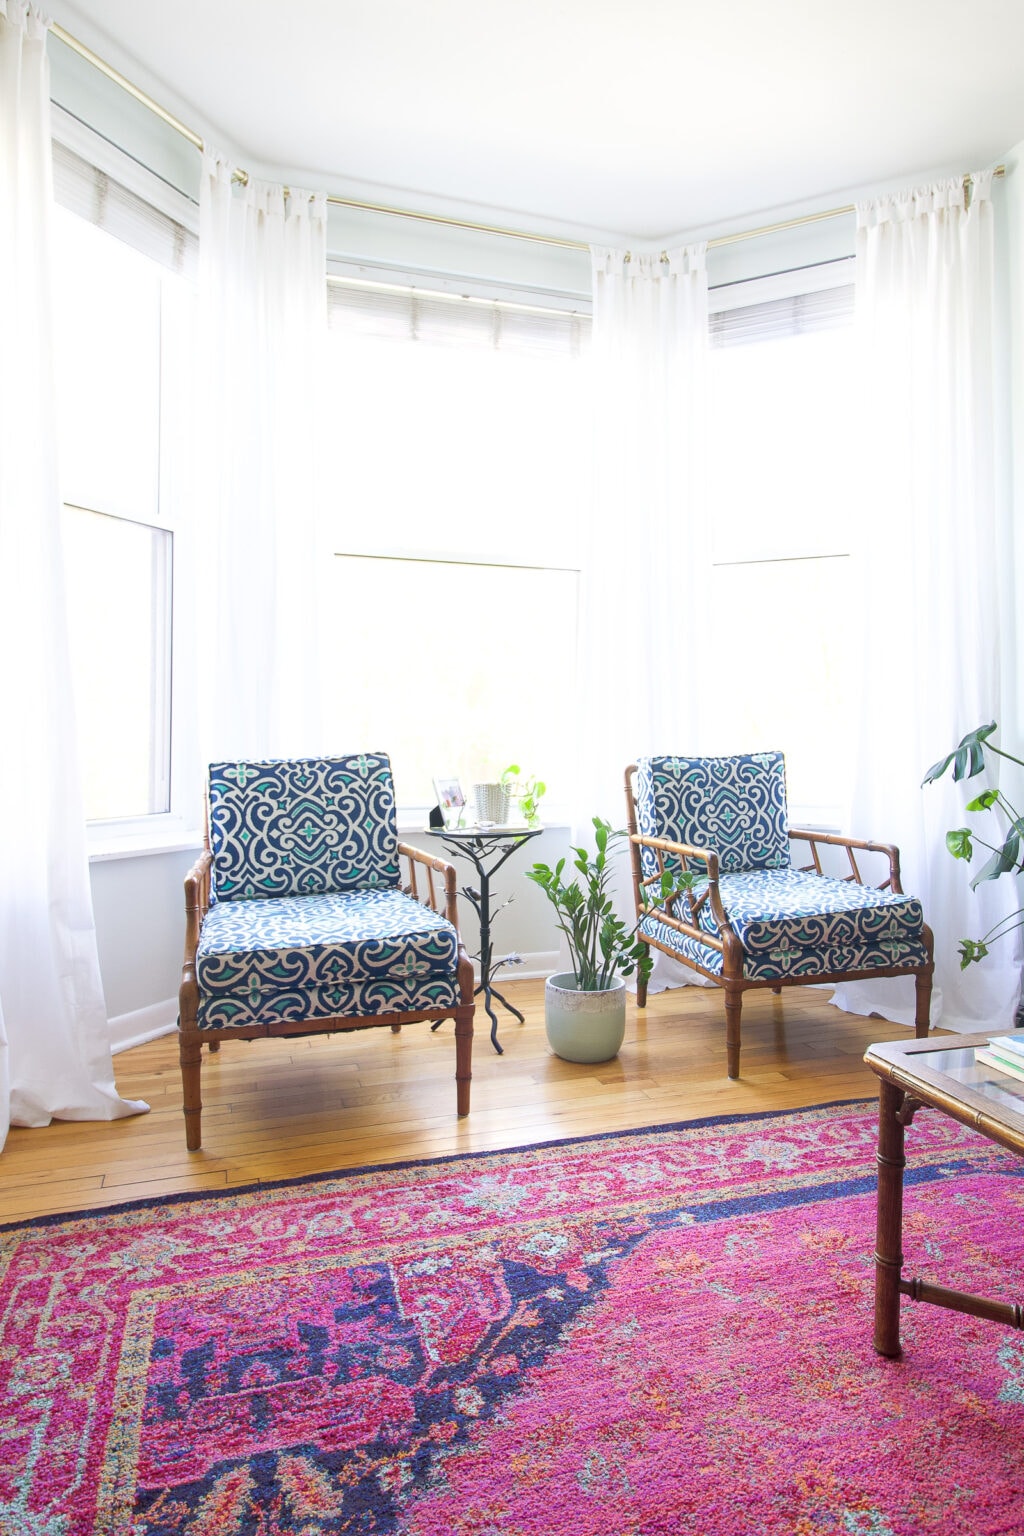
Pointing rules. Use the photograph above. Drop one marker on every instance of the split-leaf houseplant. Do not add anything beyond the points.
(1006, 857)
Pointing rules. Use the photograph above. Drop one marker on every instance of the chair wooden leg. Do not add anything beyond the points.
(190, 1051)
(733, 1009)
(213, 1047)
(396, 1029)
(922, 1015)
(641, 991)
(464, 1034)
(463, 1059)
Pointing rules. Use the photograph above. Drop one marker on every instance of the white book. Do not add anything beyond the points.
(1013, 1043)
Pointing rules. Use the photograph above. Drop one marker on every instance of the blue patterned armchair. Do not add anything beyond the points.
(752, 918)
(297, 922)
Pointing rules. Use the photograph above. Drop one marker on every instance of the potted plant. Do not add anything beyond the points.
(527, 792)
(585, 1008)
(1007, 856)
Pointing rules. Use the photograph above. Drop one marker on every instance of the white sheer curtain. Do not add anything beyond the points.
(56, 1058)
(643, 549)
(933, 536)
(263, 318)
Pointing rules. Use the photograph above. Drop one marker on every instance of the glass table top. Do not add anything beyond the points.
(953, 1073)
(962, 1067)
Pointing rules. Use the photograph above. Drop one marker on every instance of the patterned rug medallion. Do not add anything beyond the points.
(635, 1335)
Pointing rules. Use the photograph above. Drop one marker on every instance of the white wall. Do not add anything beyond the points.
(139, 908)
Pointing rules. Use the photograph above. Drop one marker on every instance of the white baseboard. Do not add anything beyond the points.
(536, 966)
(129, 1029)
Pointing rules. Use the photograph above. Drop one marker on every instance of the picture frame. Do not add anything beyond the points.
(450, 798)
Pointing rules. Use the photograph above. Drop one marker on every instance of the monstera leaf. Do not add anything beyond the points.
(968, 758)
(1003, 860)
(960, 844)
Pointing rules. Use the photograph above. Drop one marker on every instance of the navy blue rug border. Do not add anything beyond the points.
(183, 1197)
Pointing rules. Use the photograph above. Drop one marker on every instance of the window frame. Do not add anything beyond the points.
(179, 827)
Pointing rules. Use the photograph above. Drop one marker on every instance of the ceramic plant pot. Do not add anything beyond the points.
(584, 1026)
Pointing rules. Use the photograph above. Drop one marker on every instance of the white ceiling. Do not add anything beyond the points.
(585, 116)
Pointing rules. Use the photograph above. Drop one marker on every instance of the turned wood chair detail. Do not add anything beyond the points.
(753, 918)
(297, 923)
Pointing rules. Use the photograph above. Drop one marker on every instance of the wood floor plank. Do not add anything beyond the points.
(276, 1109)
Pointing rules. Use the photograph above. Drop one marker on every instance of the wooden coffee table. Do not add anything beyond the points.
(936, 1074)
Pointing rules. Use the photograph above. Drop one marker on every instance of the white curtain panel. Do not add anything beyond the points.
(644, 549)
(647, 536)
(933, 534)
(55, 1060)
(263, 319)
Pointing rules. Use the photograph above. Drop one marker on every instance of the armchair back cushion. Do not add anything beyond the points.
(302, 827)
(735, 806)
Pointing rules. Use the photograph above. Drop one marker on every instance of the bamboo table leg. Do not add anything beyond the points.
(889, 1237)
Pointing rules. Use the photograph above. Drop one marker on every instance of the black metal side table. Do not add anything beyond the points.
(487, 848)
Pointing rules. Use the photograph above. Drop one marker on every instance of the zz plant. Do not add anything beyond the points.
(968, 759)
(600, 943)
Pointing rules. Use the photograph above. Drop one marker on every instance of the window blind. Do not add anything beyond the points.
(398, 313)
(792, 316)
(94, 195)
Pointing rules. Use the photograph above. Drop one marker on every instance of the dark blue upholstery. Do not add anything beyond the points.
(302, 826)
(735, 806)
(306, 918)
(789, 922)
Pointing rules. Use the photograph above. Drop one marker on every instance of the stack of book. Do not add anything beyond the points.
(1005, 1053)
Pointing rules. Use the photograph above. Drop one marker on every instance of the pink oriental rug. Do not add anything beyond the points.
(633, 1335)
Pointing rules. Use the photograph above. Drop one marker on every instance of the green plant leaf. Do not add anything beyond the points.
(1002, 861)
(985, 801)
(971, 950)
(959, 843)
(968, 758)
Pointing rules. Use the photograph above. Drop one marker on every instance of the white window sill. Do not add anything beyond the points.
(104, 846)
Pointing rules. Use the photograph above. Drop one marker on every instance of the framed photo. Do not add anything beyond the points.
(451, 800)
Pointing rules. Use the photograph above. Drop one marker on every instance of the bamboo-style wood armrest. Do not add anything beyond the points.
(836, 840)
(684, 851)
(433, 866)
(197, 900)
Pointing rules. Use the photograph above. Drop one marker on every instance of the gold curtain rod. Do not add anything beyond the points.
(441, 218)
(126, 85)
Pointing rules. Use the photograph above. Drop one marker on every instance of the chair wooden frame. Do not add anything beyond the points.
(422, 868)
(728, 944)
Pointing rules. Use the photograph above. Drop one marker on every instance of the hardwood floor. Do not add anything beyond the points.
(276, 1108)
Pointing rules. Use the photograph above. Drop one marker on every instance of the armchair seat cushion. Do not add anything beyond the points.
(792, 923)
(270, 1006)
(307, 943)
(805, 909)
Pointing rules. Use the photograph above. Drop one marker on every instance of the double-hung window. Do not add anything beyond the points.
(122, 327)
